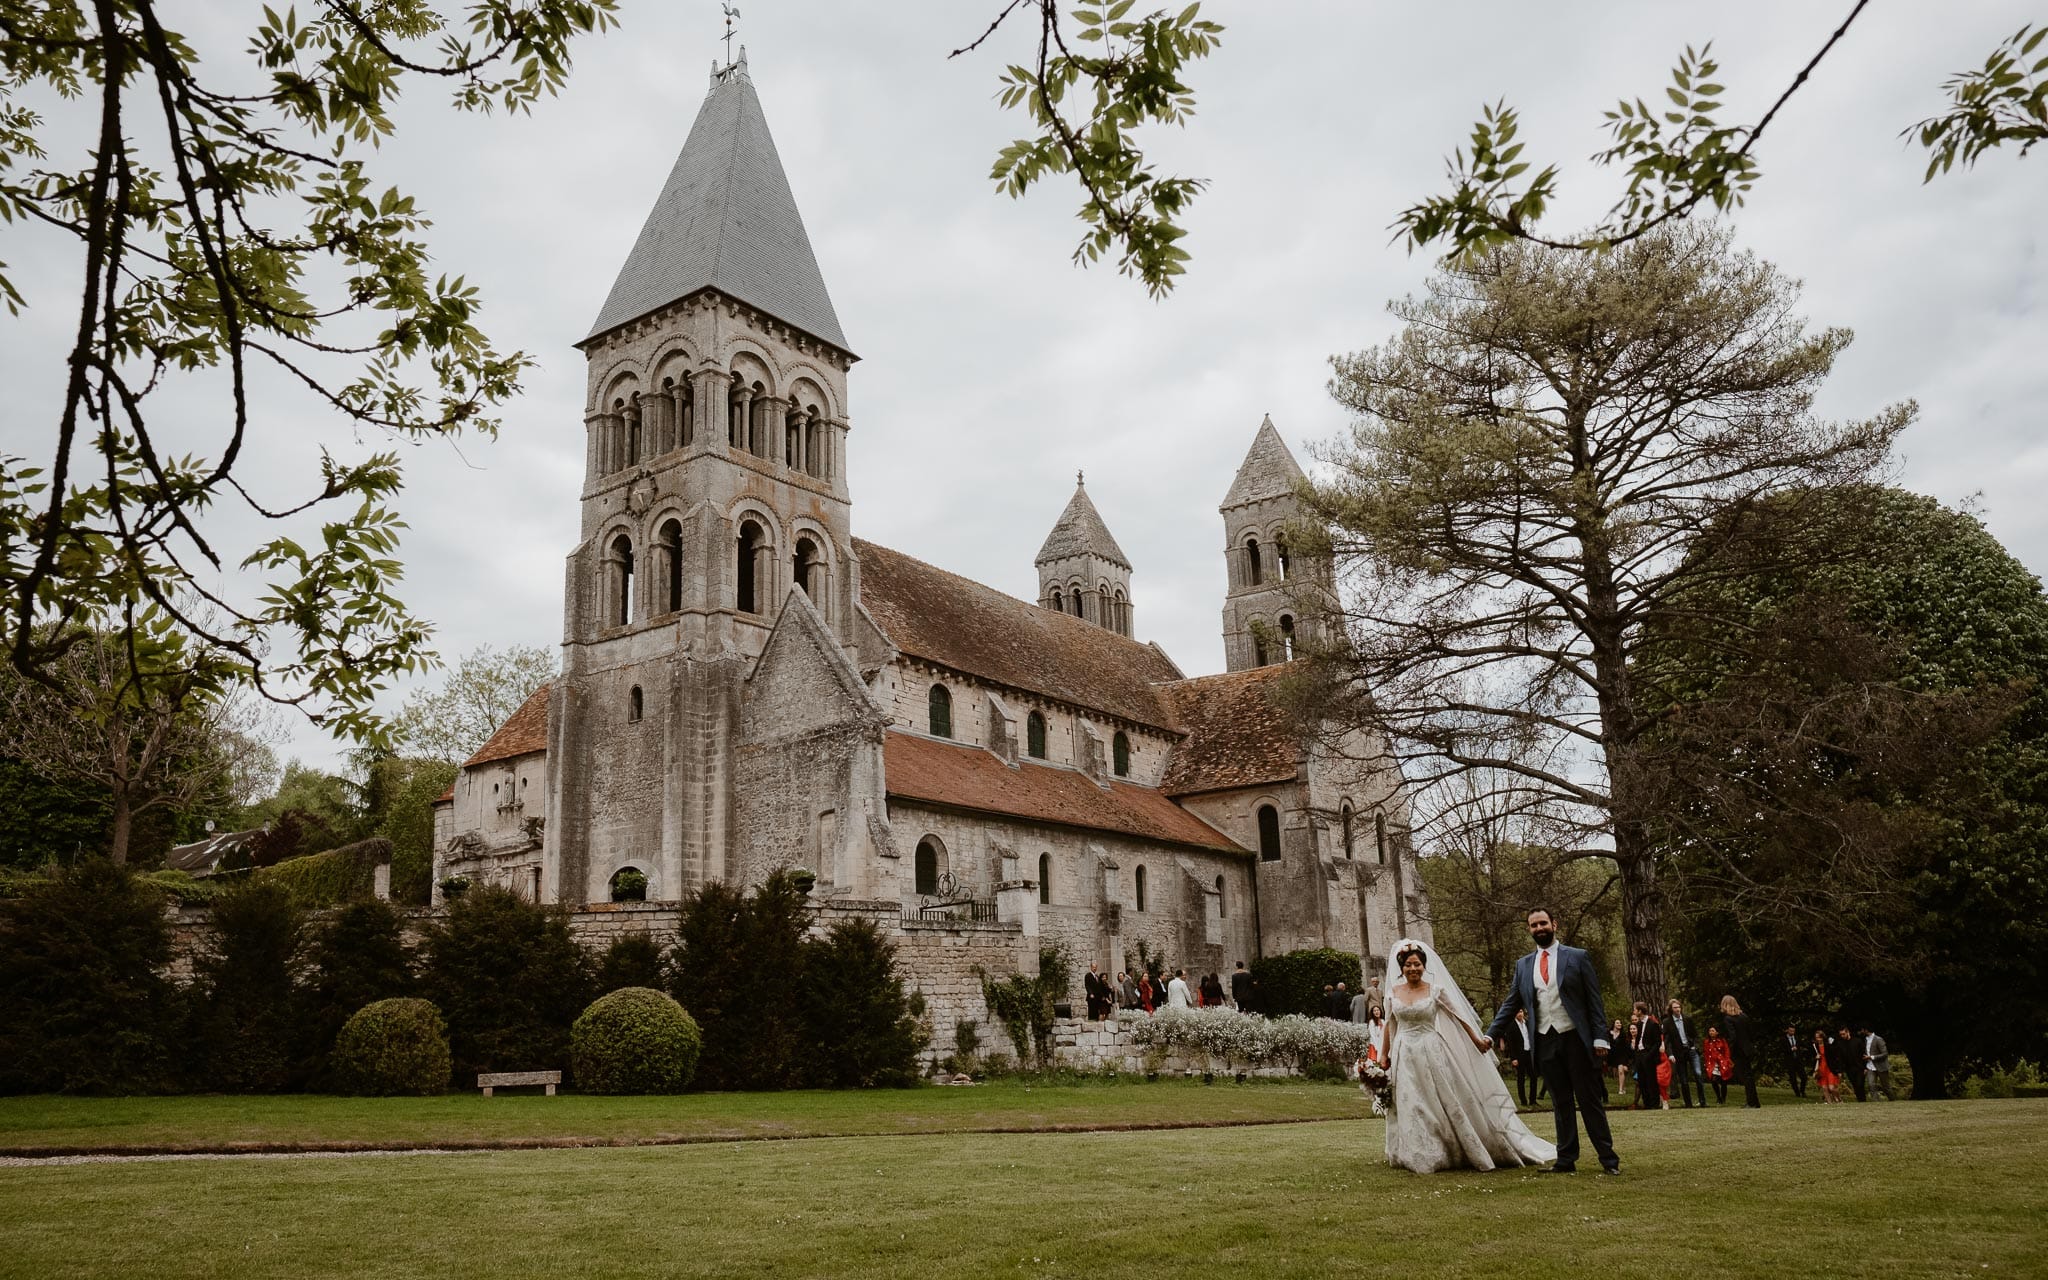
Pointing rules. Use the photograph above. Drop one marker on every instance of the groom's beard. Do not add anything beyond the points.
(1544, 937)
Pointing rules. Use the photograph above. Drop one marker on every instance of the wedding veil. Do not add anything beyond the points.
(1437, 975)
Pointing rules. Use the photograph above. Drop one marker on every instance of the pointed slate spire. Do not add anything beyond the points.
(726, 220)
(1080, 532)
(1268, 471)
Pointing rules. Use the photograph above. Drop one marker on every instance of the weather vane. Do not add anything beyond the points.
(730, 14)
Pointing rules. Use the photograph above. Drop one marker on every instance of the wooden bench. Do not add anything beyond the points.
(511, 1079)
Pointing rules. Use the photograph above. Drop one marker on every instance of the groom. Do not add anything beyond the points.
(1557, 987)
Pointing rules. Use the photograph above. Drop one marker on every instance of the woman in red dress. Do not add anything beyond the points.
(1720, 1064)
(1830, 1083)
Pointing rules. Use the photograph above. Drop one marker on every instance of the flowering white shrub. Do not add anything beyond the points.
(1247, 1041)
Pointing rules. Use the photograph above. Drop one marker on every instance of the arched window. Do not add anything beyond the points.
(1286, 638)
(1139, 880)
(793, 438)
(1222, 908)
(1269, 833)
(749, 559)
(635, 704)
(940, 704)
(1344, 825)
(1059, 600)
(672, 564)
(622, 580)
(1045, 878)
(1254, 573)
(1034, 736)
(633, 431)
(1123, 613)
(629, 884)
(1285, 561)
(1120, 754)
(736, 414)
(926, 866)
(1074, 599)
(805, 564)
(1379, 835)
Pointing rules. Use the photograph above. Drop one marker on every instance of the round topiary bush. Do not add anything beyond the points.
(635, 1040)
(392, 1047)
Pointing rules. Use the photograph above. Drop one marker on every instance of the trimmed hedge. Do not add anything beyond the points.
(1294, 982)
(347, 874)
(392, 1048)
(635, 1040)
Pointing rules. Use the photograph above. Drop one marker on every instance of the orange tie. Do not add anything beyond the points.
(1543, 964)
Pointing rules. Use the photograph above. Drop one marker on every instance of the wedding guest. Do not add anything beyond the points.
(1177, 994)
(1148, 996)
(1097, 989)
(1241, 988)
(1849, 1063)
(1826, 1057)
(1376, 1029)
(1127, 990)
(1361, 1007)
(1681, 1041)
(1720, 1066)
(1526, 1079)
(1877, 1065)
(1646, 1040)
(1794, 1056)
(1212, 991)
(1741, 1047)
(1617, 1037)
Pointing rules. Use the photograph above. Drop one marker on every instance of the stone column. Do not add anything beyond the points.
(743, 419)
(679, 413)
(593, 446)
(710, 390)
(632, 441)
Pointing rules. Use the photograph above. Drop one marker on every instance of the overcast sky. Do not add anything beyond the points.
(991, 370)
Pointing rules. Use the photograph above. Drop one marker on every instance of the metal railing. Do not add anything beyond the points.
(974, 910)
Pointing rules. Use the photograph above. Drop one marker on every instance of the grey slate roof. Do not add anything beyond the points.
(726, 220)
(1268, 471)
(1080, 532)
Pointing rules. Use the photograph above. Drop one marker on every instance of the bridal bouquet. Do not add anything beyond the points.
(1377, 1084)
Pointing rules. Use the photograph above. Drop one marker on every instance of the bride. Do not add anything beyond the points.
(1450, 1108)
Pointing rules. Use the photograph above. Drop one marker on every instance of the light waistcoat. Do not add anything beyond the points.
(1550, 1014)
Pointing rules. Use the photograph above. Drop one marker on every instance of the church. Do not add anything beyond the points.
(746, 685)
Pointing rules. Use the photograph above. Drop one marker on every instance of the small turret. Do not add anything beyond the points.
(1081, 569)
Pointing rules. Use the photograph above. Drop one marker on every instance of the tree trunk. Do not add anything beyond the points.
(117, 837)
(1641, 914)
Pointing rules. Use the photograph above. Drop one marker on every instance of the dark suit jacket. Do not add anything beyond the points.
(1577, 985)
(1241, 988)
(1797, 1056)
(1673, 1041)
(1735, 1030)
(1651, 1037)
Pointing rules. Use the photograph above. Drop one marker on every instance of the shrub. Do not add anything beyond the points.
(357, 956)
(248, 1023)
(1025, 1005)
(392, 1048)
(84, 1007)
(633, 960)
(738, 969)
(347, 874)
(856, 1016)
(634, 1040)
(1293, 982)
(509, 979)
(1311, 1044)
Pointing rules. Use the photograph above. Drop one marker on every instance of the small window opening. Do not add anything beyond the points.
(1269, 833)
(1254, 574)
(634, 705)
(939, 703)
(1140, 882)
(1034, 736)
(1120, 754)
(927, 866)
(1045, 878)
(749, 554)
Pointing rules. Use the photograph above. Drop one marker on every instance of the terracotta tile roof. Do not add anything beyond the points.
(965, 777)
(524, 732)
(1238, 736)
(954, 622)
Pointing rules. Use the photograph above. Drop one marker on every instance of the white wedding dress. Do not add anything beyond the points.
(1451, 1109)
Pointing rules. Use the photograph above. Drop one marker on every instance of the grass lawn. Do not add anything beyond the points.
(42, 1125)
(1904, 1189)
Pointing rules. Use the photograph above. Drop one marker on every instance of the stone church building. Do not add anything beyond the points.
(746, 685)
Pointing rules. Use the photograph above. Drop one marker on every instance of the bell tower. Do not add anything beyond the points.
(714, 484)
(1081, 569)
(1266, 611)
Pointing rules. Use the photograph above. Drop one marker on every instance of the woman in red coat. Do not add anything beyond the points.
(1824, 1076)
(1720, 1064)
